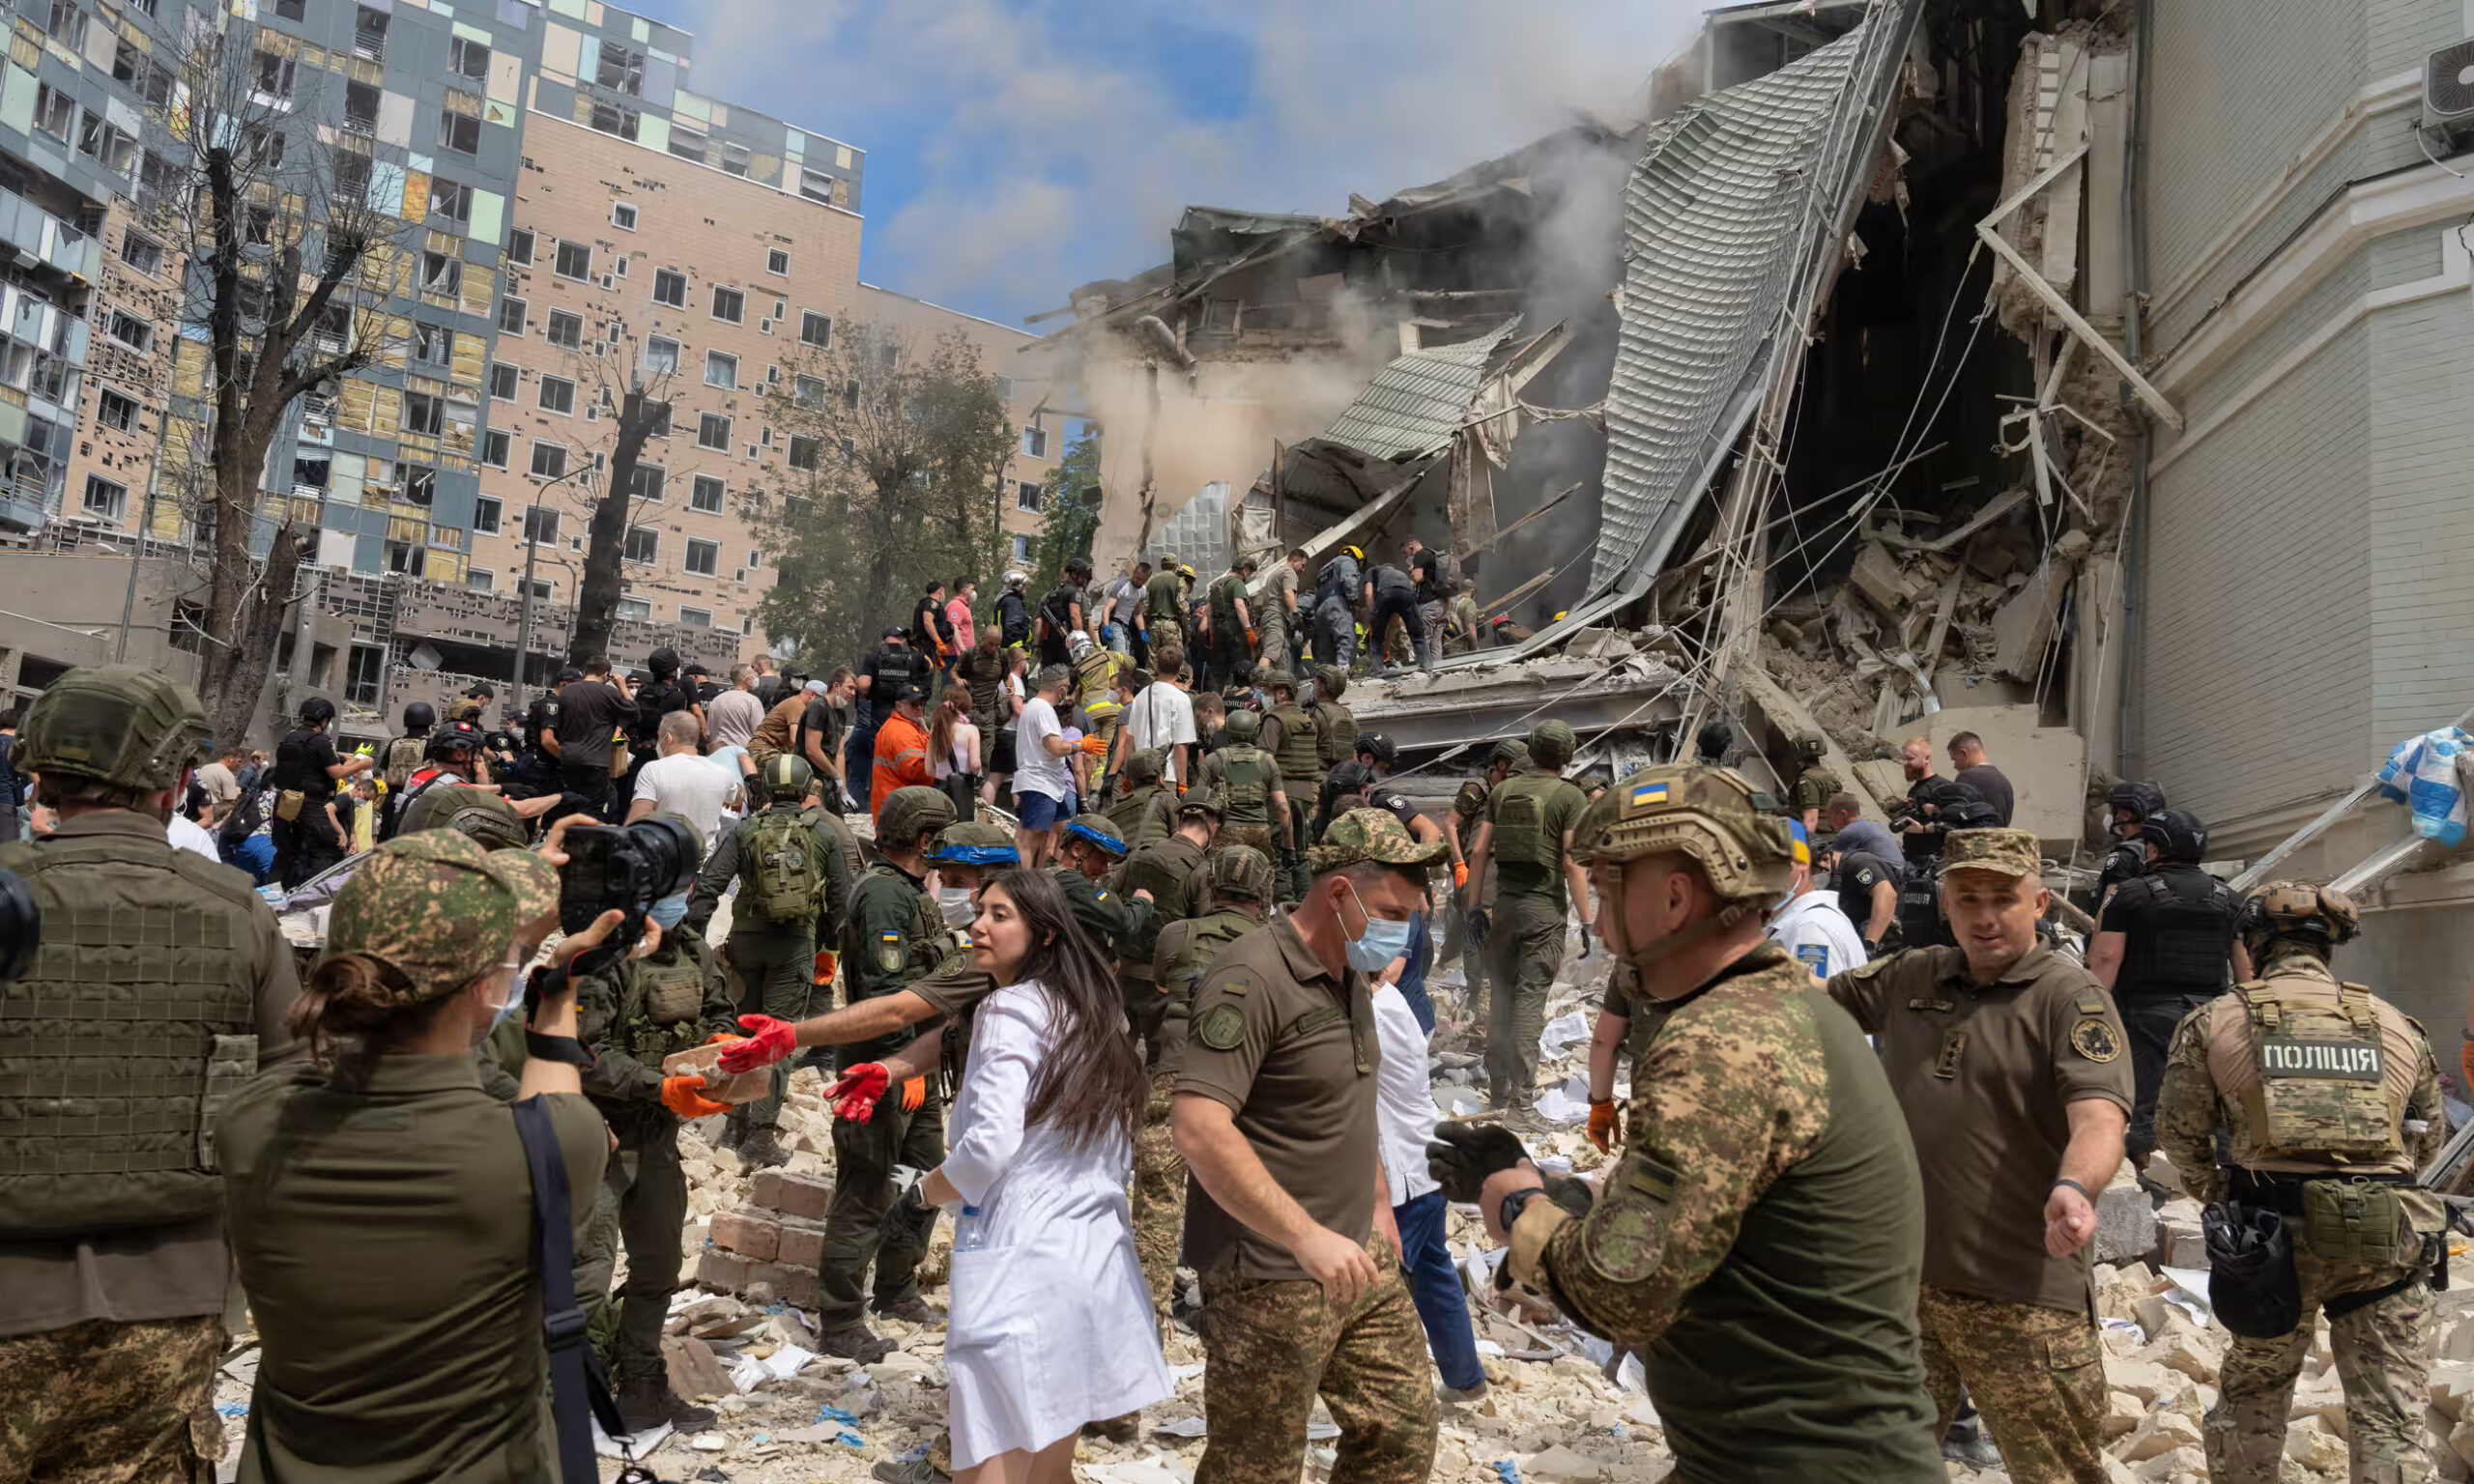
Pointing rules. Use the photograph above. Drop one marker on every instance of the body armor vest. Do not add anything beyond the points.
(1246, 776)
(1163, 871)
(1519, 809)
(1299, 756)
(2322, 1072)
(1856, 897)
(292, 768)
(1225, 595)
(146, 945)
(1337, 582)
(1127, 813)
(404, 755)
(2180, 941)
(1335, 732)
(664, 1011)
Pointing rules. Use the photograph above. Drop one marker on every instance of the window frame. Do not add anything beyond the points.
(739, 304)
(542, 445)
(117, 505)
(662, 276)
(450, 126)
(806, 317)
(495, 507)
(705, 423)
(558, 262)
(696, 493)
(503, 440)
(103, 397)
(711, 551)
(725, 362)
(515, 375)
(551, 326)
(566, 388)
(627, 544)
(633, 211)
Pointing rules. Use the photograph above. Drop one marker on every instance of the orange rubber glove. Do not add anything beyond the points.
(914, 1093)
(1094, 747)
(718, 1036)
(826, 963)
(854, 1093)
(683, 1096)
(1460, 875)
(1250, 641)
(1603, 1124)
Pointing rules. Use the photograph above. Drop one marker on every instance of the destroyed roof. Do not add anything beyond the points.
(1714, 237)
(1420, 400)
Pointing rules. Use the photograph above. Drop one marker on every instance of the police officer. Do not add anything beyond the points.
(782, 868)
(1815, 784)
(1294, 739)
(307, 836)
(882, 676)
(2163, 948)
(1249, 785)
(631, 1016)
(1336, 587)
(1174, 871)
(1868, 885)
(2127, 807)
(2007, 1061)
(895, 935)
(162, 987)
(1757, 1240)
(2328, 1096)
(1527, 837)
(1143, 809)
(404, 754)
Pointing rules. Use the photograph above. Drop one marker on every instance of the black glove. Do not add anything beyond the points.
(1585, 937)
(1480, 926)
(1463, 1155)
(907, 1221)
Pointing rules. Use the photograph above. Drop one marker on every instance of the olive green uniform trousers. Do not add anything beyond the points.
(864, 1157)
(642, 1203)
(1526, 947)
(772, 973)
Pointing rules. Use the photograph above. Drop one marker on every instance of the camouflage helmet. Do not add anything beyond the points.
(972, 843)
(1594, 780)
(1551, 745)
(485, 818)
(1333, 680)
(1241, 871)
(787, 776)
(1101, 831)
(913, 811)
(1713, 814)
(2299, 909)
(1508, 752)
(439, 911)
(1244, 726)
(120, 725)
(1810, 748)
(1142, 769)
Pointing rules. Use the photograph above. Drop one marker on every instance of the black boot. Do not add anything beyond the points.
(761, 1147)
(854, 1341)
(648, 1402)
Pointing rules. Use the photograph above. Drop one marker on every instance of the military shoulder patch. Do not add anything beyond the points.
(1872, 966)
(2095, 1039)
(1222, 1028)
(1816, 957)
(889, 952)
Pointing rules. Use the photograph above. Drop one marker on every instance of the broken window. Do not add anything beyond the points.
(622, 69)
(611, 119)
(460, 132)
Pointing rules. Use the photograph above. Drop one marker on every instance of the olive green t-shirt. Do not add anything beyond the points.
(1557, 806)
(1165, 597)
(1985, 1075)
(385, 1237)
(1290, 1049)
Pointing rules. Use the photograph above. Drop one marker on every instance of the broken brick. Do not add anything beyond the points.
(794, 1286)
(793, 1195)
(726, 1272)
(748, 1233)
(802, 1244)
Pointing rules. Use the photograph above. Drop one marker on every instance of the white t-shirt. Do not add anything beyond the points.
(1162, 717)
(185, 834)
(1014, 688)
(688, 785)
(1404, 1109)
(1813, 928)
(1034, 770)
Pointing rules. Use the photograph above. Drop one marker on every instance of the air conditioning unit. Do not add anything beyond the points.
(2448, 91)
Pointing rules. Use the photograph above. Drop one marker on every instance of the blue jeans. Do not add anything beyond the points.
(1435, 1284)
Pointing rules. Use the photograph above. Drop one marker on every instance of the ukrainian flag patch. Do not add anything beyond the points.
(1648, 793)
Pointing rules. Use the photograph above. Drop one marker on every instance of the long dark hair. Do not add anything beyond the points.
(1090, 1084)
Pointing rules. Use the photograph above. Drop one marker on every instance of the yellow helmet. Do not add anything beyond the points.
(1355, 552)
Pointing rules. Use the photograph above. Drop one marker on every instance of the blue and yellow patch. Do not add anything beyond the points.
(1648, 793)
(1816, 956)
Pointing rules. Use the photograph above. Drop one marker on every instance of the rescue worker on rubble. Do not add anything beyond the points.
(1163, 606)
(1473, 894)
(1175, 871)
(1528, 839)
(111, 1320)
(1815, 784)
(1389, 593)
(1144, 809)
(2007, 1061)
(1437, 577)
(631, 1015)
(2127, 807)
(1757, 1241)
(405, 752)
(1334, 724)
(1229, 623)
(1335, 589)
(1251, 789)
(1295, 741)
(2328, 1099)
(2163, 948)
(1284, 632)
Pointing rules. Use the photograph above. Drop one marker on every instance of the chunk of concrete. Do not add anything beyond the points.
(2125, 1223)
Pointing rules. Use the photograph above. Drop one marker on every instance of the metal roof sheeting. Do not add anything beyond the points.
(1417, 403)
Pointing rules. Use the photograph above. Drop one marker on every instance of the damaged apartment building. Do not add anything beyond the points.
(2096, 375)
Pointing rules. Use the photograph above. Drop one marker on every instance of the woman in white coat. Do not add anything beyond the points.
(1050, 1325)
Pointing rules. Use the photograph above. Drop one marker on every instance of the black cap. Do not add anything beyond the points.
(568, 674)
(893, 633)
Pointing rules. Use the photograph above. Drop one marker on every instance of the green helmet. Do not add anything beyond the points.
(1471, 800)
(1713, 814)
(1200, 801)
(489, 820)
(1333, 680)
(1512, 751)
(972, 843)
(1142, 768)
(1551, 745)
(1244, 726)
(1101, 831)
(1241, 871)
(1810, 748)
(1594, 780)
(912, 812)
(120, 725)
(787, 776)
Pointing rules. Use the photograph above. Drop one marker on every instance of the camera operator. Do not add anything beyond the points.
(377, 1193)
(166, 987)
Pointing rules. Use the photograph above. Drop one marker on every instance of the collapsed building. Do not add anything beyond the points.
(1843, 394)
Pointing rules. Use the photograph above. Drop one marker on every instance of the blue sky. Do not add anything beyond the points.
(1017, 148)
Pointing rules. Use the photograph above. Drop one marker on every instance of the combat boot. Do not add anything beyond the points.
(647, 1402)
(854, 1341)
(761, 1146)
(913, 1310)
(1124, 1429)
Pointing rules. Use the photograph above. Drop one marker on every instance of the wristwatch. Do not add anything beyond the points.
(1515, 1203)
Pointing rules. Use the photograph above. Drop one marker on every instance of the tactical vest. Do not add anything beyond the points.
(2180, 940)
(665, 1004)
(404, 755)
(1335, 733)
(1920, 924)
(926, 945)
(778, 864)
(1856, 897)
(1246, 786)
(135, 1021)
(1225, 595)
(1299, 755)
(2319, 1084)
(1126, 814)
(293, 769)
(893, 668)
(1521, 836)
(1164, 871)
(1204, 939)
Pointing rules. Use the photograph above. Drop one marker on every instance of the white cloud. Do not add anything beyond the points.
(1042, 152)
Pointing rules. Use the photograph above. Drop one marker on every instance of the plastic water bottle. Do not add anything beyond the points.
(970, 1233)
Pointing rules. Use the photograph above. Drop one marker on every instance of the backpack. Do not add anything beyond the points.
(778, 866)
(403, 756)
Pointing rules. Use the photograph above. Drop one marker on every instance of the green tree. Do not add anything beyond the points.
(897, 457)
(1071, 511)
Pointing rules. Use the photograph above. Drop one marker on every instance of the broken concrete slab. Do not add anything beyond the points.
(1878, 575)
(1455, 706)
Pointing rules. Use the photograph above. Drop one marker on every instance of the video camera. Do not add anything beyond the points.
(20, 926)
(628, 867)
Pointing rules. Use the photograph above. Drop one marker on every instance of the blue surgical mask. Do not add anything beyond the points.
(1383, 941)
(668, 911)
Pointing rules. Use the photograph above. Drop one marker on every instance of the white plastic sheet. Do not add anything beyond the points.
(2421, 774)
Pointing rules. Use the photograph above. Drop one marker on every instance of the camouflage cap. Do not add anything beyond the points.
(1712, 815)
(121, 725)
(486, 817)
(1244, 725)
(1551, 745)
(1143, 767)
(1370, 835)
(910, 809)
(1241, 871)
(974, 844)
(440, 909)
(1100, 831)
(1333, 680)
(1594, 780)
(1510, 751)
(2011, 852)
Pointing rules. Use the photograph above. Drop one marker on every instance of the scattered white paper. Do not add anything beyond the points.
(1184, 1372)
(1556, 1106)
(787, 1361)
(2189, 1294)
(749, 1373)
(638, 1446)
(1183, 1427)
(1489, 1348)
(1563, 1031)
(1316, 1432)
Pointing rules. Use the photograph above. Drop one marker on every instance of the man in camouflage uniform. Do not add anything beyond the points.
(771, 958)
(1289, 1223)
(1758, 1242)
(1284, 637)
(1815, 784)
(2329, 1099)
(1249, 788)
(2007, 1061)
(1509, 755)
(1163, 607)
(1175, 874)
(1144, 809)
(1295, 741)
(631, 1015)
(1334, 724)
(1527, 838)
(113, 1263)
